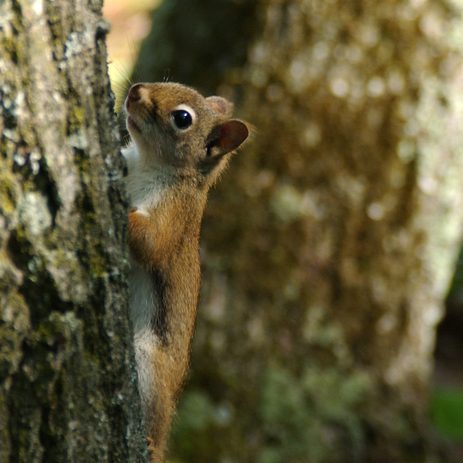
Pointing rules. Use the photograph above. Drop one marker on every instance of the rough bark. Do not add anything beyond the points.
(329, 245)
(68, 384)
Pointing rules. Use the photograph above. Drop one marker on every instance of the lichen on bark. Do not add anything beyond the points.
(68, 385)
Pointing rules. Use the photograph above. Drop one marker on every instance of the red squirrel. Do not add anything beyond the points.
(181, 143)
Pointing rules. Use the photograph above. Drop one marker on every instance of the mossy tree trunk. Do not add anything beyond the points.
(68, 385)
(329, 245)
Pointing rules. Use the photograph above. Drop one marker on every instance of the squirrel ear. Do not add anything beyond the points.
(220, 105)
(223, 139)
(226, 137)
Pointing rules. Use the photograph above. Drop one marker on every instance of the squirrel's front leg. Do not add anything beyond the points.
(141, 237)
(152, 238)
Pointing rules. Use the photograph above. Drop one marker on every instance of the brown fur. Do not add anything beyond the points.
(168, 241)
(164, 238)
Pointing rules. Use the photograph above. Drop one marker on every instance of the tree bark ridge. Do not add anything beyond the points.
(68, 385)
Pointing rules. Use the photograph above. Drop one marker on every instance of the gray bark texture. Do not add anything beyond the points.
(329, 244)
(68, 385)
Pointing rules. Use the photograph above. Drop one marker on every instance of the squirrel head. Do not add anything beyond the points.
(175, 127)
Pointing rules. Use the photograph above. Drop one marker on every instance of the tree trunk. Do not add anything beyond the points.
(329, 245)
(68, 384)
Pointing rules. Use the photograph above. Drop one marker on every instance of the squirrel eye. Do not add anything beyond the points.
(182, 119)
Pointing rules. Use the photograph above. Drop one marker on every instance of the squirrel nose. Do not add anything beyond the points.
(134, 93)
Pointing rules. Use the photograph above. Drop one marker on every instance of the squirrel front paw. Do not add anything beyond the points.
(140, 235)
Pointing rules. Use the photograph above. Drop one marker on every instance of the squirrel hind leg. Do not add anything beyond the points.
(156, 454)
(158, 425)
(160, 409)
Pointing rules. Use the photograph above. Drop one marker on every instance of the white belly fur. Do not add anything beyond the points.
(141, 307)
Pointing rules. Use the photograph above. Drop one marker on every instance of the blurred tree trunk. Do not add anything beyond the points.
(67, 379)
(329, 245)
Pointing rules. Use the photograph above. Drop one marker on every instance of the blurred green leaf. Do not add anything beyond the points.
(447, 412)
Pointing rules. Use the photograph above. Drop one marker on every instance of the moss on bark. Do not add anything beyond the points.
(68, 385)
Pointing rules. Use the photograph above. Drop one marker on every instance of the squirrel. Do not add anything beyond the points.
(182, 141)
